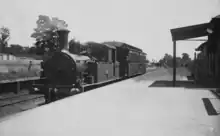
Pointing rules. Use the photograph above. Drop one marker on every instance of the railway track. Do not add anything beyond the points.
(11, 103)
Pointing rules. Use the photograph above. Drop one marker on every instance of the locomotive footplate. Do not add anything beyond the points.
(38, 87)
(55, 92)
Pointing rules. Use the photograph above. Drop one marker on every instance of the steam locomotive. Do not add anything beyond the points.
(68, 73)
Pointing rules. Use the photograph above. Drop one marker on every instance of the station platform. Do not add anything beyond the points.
(141, 106)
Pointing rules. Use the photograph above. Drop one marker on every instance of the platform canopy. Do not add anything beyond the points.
(185, 33)
(189, 32)
(202, 46)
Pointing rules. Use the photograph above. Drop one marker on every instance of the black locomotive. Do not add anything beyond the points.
(67, 73)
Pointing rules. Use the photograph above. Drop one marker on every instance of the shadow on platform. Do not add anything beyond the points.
(184, 84)
(211, 111)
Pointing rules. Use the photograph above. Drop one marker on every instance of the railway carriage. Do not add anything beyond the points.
(131, 59)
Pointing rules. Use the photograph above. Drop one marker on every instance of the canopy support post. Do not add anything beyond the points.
(174, 63)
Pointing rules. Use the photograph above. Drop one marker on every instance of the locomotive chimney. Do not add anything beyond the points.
(63, 39)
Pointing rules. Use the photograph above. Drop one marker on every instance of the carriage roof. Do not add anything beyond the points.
(123, 45)
(100, 44)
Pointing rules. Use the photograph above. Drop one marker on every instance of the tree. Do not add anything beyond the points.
(178, 61)
(167, 57)
(167, 60)
(161, 62)
(4, 37)
(46, 33)
(32, 50)
(15, 49)
(185, 59)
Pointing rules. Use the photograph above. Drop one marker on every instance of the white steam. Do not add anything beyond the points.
(46, 26)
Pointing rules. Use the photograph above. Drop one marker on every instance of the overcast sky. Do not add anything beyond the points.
(142, 23)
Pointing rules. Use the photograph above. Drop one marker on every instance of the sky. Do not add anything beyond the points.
(142, 23)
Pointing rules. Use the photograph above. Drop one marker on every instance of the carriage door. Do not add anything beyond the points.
(114, 60)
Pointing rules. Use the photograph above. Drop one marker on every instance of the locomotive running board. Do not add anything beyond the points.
(103, 82)
(53, 86)
(85, 86)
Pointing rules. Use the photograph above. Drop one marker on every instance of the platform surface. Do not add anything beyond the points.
(135, 107)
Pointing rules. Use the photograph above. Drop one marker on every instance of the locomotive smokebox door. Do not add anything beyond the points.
(61, 69)
(64, 67)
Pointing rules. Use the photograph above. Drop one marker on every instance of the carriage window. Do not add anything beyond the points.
(113, 55)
